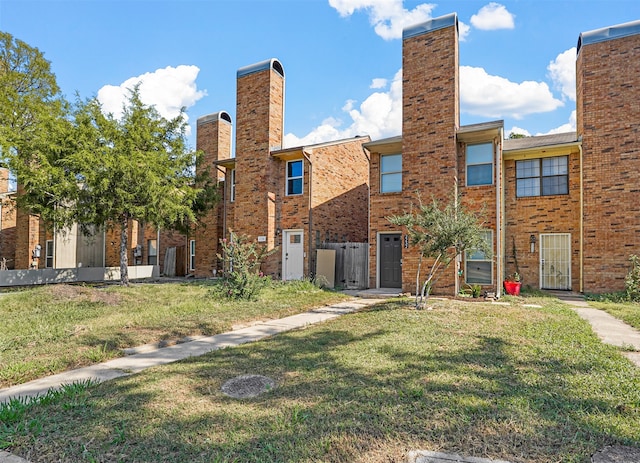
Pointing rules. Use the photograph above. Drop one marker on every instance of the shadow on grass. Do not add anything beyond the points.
(366, 387)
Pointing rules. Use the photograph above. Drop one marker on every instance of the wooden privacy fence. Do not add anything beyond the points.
(352, 264)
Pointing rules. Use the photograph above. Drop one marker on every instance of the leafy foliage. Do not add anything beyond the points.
(441, 233)
(632, 281)
(242, 277)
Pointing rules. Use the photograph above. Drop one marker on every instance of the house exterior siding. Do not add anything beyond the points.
(608, 120)
(333, 203)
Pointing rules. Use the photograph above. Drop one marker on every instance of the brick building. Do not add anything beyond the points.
(562, 210)
(288, 199)
(26, 243)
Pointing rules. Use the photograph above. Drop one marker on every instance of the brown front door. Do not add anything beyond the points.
(390, 261)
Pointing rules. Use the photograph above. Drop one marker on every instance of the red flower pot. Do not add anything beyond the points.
(512, 287)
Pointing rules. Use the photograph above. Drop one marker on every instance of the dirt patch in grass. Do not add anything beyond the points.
(78, 293)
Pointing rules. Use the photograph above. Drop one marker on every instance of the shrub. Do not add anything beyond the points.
(242, 278)
(632, 281)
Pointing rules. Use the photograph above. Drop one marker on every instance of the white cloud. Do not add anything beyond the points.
(168, 89)
(379, 116)
(463, 31)
(568, 127)
(562, 71)
(388, 17)
(485, 95)
(378, 83)
(493, 16)
(517, 130)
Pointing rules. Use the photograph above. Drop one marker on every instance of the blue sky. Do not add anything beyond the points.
(342, 58)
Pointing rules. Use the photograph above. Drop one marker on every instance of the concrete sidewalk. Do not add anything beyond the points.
(138, 362)
(608, 328)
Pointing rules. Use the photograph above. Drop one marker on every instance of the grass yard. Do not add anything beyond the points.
(507, 382)
(49, 329)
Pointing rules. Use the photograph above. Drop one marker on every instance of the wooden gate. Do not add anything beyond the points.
(352, 264)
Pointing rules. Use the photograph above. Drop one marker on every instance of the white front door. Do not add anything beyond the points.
(555, 261)
(292, 255)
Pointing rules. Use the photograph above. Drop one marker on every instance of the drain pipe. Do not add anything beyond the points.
(307, 156)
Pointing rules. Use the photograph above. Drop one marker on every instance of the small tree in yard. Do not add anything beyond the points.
(442, 234)
(134, 168)
(242, 276)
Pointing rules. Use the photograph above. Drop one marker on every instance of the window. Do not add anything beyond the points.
(542, 177)
(152, 252)
(478, 265)
(480, 164)
(232, 187)
(48, 254)
(390, 173)
(192, 255)
(294, 178)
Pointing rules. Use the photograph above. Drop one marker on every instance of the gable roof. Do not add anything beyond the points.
(518, 144)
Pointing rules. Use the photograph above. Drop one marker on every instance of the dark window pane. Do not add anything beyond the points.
(481, 174)
(557, 185)
(479, 272)
(294, 169)
(294, 186)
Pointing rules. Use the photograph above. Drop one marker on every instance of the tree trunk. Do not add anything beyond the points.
(124, 255)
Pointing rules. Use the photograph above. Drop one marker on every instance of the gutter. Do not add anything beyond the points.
(307, 155)
(581, 245)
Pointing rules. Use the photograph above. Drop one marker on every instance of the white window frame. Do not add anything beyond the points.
(232, 185)
(297, 177)
(192, 254)
(49, 252)
(470, 258)
(389, 173)
(483, 163)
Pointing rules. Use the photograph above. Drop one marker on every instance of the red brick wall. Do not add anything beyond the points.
(260, 115)
(339, 174)
(430, 105)
(214, 139)
(608, 119)
(482, 200)
(541, 214)
(8, 231)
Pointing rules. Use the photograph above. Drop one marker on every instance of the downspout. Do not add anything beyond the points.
(581, 282)
(499, 216)
(224, 202)
(157, 250)
(308, 158)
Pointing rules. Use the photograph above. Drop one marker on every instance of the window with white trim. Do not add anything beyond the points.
(542, 177)
(390, 173)
(294, 177)
(48, 254)
(479, 268)
(480, 164)
(192, 254)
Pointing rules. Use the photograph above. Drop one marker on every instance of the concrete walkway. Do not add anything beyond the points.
(608, 328)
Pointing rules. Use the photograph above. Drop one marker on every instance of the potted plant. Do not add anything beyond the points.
(512, 284)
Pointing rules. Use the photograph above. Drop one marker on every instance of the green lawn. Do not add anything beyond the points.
(507, 382)
(49, 329)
